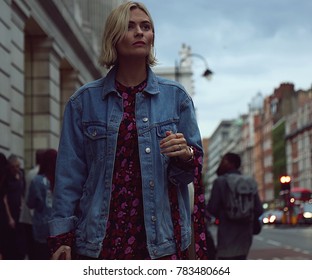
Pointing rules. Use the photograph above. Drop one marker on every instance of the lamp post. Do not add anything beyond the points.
(185, 55)
(207, 73)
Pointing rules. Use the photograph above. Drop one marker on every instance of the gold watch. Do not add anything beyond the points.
(192, 154)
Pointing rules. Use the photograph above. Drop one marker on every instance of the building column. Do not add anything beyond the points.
(5, 77)
(42, 96)
(12, 86)
(70, 82)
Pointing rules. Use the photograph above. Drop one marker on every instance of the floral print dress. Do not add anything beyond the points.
(125, 234)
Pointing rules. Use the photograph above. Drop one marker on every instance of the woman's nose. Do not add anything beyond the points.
(138, 30)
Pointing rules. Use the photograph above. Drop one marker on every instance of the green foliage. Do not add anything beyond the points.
(279, 155)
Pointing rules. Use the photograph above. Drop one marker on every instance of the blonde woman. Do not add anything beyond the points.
(129, 147)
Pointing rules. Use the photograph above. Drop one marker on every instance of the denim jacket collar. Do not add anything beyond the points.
(109, 84)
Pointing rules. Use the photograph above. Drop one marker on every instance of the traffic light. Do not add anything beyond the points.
(285, 182)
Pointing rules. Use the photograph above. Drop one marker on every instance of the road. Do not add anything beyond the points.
(281, 243)
(277, 243)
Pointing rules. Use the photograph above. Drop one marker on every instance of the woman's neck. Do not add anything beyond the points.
(131, 74)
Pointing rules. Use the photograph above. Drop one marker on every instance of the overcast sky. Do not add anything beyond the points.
(251, 45)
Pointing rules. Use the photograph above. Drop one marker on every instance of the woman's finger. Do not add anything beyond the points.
(62, 253)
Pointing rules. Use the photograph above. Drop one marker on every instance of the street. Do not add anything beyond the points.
(276, 243)
(280, 243)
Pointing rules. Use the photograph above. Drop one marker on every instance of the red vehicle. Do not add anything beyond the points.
(294, 203)
(301, 201)
(300, 194)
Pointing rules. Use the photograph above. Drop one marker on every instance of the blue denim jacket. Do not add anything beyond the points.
(40, 199)
(86, 160)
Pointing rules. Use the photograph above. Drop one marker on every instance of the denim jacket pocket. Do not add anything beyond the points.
(95, 138)
(162, 128)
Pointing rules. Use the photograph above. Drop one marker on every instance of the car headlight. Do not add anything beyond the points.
(272, 219)
(307, 215)
(265, 220)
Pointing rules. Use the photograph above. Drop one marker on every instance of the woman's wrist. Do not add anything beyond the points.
(190, 154)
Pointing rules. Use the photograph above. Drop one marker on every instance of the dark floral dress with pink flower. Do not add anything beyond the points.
(125, 233)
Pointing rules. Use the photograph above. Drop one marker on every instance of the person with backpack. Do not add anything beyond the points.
(234, 200)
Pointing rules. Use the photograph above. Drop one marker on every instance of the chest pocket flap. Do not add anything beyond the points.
(162, 128)
(95, 131)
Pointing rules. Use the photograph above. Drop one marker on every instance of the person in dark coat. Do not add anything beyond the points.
(14, 191)
(234, 238)
(3, 174)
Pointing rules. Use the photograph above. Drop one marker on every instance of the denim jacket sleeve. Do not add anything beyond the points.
(71, 171)
(179, 171)
(34, 199)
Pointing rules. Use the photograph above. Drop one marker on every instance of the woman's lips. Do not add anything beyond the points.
(139, 43)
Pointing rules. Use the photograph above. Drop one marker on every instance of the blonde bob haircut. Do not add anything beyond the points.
(115, 29)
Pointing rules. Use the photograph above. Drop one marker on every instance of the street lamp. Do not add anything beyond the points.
(207, 73)
(185, 54)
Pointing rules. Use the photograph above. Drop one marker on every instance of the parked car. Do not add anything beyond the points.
(305, 215)
(272, 217)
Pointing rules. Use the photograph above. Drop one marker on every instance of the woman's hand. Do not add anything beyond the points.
(175, 145)
(12, 223)
(62, 253)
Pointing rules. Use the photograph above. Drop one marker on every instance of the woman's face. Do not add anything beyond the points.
(138, 40)
(15, 167)
(223, 167)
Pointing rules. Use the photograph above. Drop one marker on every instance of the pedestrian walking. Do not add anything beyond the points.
(40, 199)
(14, 191)
(235, 228)
(130, 145)
(26, 215)
(3, 216)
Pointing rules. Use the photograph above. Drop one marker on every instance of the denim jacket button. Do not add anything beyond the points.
(153, 219)
(145, 119)
(147, 150)
(151, 183)
(94, 133)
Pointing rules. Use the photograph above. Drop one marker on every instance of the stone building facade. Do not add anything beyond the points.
(299, 146)
(46, 53)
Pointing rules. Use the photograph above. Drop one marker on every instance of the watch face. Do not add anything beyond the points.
(192, 153)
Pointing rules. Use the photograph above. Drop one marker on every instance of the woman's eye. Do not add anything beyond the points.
(143, 27)
(146, 27)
